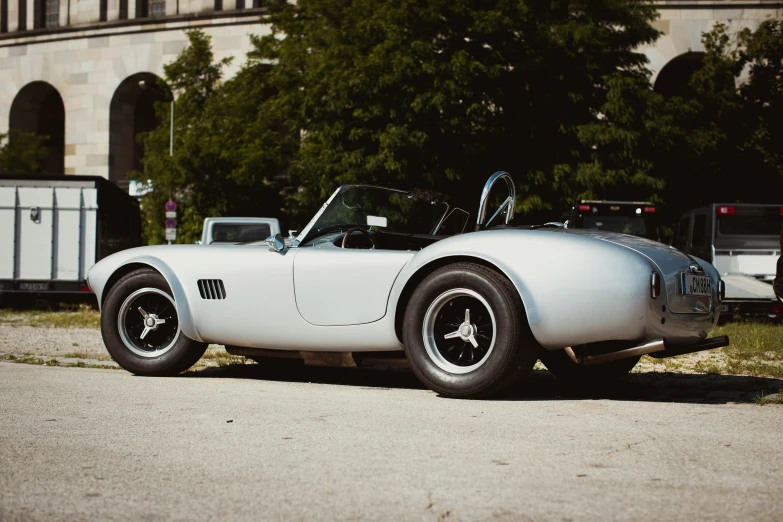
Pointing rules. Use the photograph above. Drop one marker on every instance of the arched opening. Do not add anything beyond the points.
(38, 108)
(674, 77)
(131, 113)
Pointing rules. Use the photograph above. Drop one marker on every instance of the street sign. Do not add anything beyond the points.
(171, 234)
(171, 223)
(171, 206)
(171, 214)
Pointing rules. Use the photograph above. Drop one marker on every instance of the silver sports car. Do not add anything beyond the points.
(389, 274)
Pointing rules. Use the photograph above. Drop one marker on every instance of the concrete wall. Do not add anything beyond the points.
(87, 67)
(682, 26)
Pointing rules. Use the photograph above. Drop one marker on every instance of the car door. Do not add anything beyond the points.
(342, 286)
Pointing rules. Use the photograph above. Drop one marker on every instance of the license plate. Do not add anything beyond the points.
(696, 285)
(33, 286)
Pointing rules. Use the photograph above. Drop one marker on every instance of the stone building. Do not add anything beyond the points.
(83, 71)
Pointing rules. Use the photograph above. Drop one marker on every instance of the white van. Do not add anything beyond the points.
(742, 241)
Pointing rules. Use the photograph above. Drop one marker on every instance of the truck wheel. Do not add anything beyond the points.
(562, 367)
(140, 327)
(465, 333)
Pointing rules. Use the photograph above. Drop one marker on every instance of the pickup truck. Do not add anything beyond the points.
(742, 241)
(234, 230)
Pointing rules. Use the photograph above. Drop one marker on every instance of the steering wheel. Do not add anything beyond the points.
(357, 229)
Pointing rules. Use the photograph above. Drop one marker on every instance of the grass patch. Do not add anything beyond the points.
(762, 400)
(79, 355)
(755, 349)
(82, 316)
(51, 361)
(220, 357)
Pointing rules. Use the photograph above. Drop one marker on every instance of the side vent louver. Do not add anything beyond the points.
(211, 289)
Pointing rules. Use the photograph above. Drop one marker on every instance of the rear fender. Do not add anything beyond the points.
(573, 289)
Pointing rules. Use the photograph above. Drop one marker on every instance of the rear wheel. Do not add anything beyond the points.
(465, 333)
(140, 326)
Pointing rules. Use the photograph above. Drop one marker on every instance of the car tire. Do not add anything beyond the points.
(163, 349)
(561, 366)
(455, 367)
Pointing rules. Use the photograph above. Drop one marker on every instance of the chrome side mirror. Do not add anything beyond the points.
(276, 243)
(509, 203)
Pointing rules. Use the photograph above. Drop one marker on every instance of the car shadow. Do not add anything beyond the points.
(369, 377)
(654, 387)
(542, 385)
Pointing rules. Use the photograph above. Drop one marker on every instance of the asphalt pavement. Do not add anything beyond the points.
(338, 444)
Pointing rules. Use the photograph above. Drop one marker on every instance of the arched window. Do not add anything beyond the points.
(674, 77)
(132, 112)
(38, 108)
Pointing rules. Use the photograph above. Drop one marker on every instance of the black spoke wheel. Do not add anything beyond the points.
(466, 334)
(459, 330)
(148, 322)
(140, 326)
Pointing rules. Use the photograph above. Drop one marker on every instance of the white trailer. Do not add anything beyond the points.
(742, 241)
(54, 228)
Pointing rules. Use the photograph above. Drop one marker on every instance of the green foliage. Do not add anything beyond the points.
(440, 94)
(443, 93)
(686, 150)
(226, 157)
(22, 153)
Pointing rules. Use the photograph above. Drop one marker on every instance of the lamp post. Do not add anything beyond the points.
(171, 129)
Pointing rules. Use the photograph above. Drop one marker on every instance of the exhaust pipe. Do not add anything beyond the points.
(657, 349)
(643, 349)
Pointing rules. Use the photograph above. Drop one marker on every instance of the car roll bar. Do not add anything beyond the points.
(509, 203)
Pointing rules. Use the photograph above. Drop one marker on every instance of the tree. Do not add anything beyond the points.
(763, 95)
(22, 153)
(225, 161)
(442, 93)
(688, 151)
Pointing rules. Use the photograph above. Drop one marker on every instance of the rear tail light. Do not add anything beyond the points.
(725, 211)
(84, 288)
(781, 211)
(721, 290)
(655, 285)
(649, 209)
(584, 207)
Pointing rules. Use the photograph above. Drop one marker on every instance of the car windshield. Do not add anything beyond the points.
(415, 212)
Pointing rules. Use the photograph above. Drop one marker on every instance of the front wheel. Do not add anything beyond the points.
(465, 333)
(140, 327)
